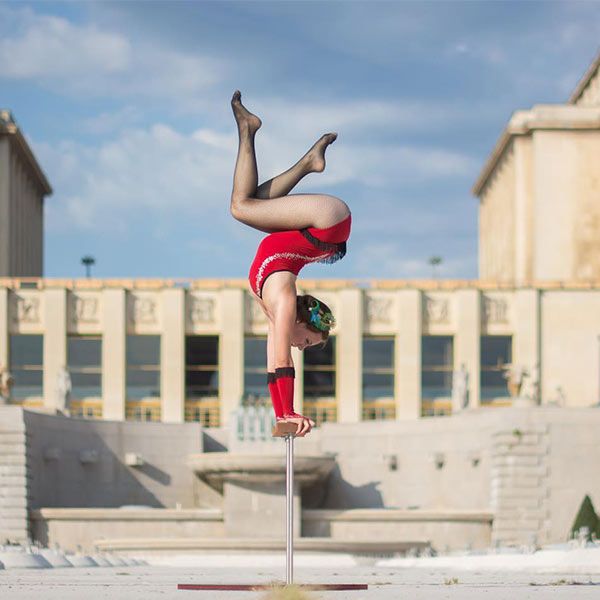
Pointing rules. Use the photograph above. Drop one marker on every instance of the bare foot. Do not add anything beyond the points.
(245, 119)
(316, 155)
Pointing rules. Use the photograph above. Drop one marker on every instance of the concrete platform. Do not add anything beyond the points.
(179, 545)
(148, 583)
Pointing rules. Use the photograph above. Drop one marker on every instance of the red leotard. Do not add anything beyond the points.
(291, 250)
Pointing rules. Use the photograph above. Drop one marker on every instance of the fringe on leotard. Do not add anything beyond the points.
(338, 251)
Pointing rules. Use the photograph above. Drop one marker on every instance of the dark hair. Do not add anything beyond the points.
(304, 304)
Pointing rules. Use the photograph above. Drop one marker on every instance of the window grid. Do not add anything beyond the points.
(375, 408)
(207, 412)
(200, 348)
(320, 402)
(28, 374)
(495, 354)
(143, 369)
(90, 372)
(86, 409)
(255, 370)
(436, 400)
(143, 410)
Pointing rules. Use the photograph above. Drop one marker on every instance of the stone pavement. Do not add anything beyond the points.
(151, 582)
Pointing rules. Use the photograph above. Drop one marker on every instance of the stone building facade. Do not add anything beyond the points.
(397, 348)
(23, 186)
(539, 193)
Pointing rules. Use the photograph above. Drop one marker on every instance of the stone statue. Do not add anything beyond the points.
(531, 384)
(63, 390)
(514, 375)
(6, 383)
(460, 389)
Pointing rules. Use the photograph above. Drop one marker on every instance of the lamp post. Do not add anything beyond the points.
(434, 261)
(88, 261)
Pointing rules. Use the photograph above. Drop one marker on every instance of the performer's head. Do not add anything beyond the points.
(314, 321)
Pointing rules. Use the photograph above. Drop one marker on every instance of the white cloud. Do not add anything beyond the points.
(158, 169)
(156, 172)
(108, 122)
(390, 261)
(74, 58)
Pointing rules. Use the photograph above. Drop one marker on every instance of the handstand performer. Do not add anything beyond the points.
(302, 228)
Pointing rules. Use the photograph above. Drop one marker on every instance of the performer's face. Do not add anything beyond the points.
(303, 337)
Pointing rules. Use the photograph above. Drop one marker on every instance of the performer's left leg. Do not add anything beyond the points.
(312, 162)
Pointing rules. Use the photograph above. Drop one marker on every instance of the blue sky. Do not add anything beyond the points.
(127, 108)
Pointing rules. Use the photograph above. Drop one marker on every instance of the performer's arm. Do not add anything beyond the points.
(271, 382)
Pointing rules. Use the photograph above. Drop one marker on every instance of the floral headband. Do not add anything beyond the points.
(322, 322)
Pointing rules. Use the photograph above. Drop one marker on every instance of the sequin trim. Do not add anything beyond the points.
(288, 255)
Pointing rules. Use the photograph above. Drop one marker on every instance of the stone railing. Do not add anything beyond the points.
(13, 475)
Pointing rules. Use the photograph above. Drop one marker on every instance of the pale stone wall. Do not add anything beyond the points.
(72, 528)
(79, 463)
(541, 320)
(539, 214)
(497, 222)
(571, 347)
(530, 467)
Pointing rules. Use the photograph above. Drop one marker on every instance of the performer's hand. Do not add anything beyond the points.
(304, 423)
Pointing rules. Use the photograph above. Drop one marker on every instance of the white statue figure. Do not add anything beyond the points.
(514, 375)
(531, 384)
(6, 383)
(460, 389)
(63, 390)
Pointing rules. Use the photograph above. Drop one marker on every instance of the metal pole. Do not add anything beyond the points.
(289, 513)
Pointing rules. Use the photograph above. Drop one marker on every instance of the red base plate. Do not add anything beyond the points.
(262, 586)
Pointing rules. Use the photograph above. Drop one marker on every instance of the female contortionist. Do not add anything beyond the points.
(302, 228)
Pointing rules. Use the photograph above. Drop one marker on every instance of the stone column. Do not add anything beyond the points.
(408, 354)
(113, 354)
(231, 352)
(5, 216)
(4, 333)
(467, 340)
(55, 345)
(526, 341)
(173, 356)
(349, 354)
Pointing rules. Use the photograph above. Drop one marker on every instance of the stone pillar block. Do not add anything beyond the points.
(349, 367)
(113, 354)
(55, 345)
(173, 356)
(408, 354)
(231, 352)
(467, 341)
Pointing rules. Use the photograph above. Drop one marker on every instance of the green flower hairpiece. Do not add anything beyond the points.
(323, 322)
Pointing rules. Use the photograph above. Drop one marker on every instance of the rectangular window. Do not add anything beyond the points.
(26, 356)
(143, 377)
(320, 382)
(84, 363)
(437, 364)
(202, 379)
(255, 368)
(378, 378)
(496, 351)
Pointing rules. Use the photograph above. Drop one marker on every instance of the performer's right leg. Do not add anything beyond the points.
(274, 213)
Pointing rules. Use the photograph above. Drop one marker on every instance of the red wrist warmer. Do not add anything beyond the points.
(284, 378)
(275, 399)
